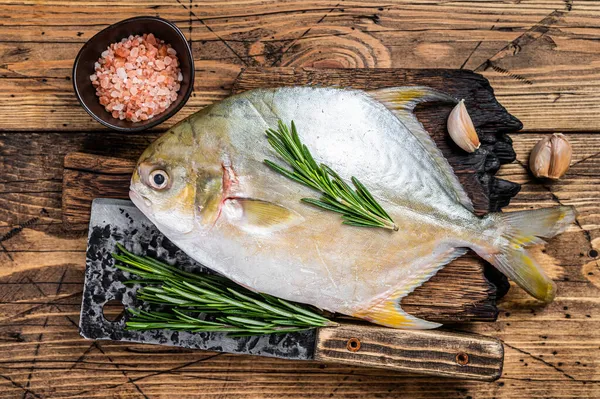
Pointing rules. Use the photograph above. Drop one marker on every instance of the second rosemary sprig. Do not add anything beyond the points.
(191, 297)
(357, 206)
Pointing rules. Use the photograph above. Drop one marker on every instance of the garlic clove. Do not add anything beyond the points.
(551, 157)
(461, 129)
(540, 158)
(562, 154)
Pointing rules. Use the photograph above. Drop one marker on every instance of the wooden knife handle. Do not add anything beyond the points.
(439, 353)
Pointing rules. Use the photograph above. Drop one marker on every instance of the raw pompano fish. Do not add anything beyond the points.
(205, 186)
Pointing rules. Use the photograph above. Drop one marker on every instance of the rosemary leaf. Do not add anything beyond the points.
(357, 206)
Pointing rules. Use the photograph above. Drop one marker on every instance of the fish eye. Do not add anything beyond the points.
(158, 179)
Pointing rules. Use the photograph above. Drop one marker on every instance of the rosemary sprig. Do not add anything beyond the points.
(207, 303)
(357, 206)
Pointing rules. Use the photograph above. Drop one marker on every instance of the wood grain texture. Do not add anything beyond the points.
(545, 61)
(439, 353)
(541, 56)
(87, 177)
(460, 292)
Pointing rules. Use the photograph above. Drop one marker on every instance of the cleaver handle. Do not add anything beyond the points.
(439, 353)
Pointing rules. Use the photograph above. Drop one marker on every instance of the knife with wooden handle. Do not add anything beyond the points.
(432, 352)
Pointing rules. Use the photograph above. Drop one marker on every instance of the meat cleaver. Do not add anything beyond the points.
(432, 352)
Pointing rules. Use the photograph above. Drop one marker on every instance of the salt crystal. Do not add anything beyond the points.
(121, 73)
(171, 51)
(118, 107)
(96, 65)
(151, 39)
(133, 90)
(179, 77)
(167, 60)
(114, 94)
(93, 77)
(104, 54)
(122, 52)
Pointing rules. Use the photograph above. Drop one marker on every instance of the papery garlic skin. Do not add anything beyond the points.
(551, 157)
(461, 129)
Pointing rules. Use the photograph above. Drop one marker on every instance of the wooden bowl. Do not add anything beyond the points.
(90, 52)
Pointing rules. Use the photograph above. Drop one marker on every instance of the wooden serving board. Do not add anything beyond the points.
(465, 290)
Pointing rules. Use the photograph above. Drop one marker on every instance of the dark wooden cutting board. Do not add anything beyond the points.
(465, 290)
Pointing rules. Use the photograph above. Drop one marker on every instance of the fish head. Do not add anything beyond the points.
(163, 185)
(178, 182)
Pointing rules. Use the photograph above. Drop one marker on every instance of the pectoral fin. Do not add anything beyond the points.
(259, 216)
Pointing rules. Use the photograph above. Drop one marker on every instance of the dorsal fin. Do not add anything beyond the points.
(402, 101)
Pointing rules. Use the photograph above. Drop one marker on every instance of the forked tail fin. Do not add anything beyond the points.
(521, 229)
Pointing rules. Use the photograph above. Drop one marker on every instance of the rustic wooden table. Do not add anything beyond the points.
(542, 58)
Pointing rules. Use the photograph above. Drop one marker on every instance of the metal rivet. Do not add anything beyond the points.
(462, 359)
(353, 344)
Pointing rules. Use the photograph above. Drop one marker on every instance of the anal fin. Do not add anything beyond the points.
(388, 312)
(385, 309)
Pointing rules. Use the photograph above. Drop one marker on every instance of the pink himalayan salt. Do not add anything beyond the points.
(137, 78)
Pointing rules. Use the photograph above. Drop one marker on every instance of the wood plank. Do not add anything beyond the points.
(540, 56)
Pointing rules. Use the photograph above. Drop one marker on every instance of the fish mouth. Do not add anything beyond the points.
(141, 202)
